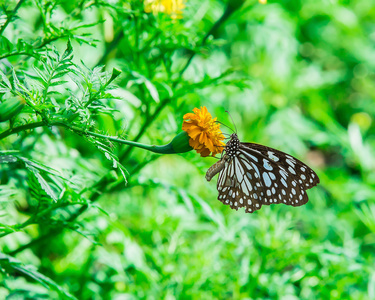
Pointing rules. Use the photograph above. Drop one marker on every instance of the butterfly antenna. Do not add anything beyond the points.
(224, 125)
(232, 120)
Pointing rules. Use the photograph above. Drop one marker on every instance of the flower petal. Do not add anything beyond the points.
(204, 132)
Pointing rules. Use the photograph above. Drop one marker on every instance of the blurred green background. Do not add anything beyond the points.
(298, 76)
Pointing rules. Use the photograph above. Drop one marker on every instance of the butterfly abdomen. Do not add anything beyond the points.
(215, 168)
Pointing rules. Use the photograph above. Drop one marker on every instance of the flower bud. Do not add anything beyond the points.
(10, 108)
(180, 142)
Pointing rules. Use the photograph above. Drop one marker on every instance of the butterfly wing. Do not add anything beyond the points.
(259, 175)
(306, 177)
(239, 185)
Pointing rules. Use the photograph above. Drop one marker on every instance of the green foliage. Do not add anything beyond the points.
(84, 215)
(9, 265)
(10, 108)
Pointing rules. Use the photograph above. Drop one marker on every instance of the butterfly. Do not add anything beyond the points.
(252, 175)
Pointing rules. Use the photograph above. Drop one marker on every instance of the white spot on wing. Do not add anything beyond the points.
(267, 165)
(248, 185)
(283, 174)
(290, 162)
(272, 156)
(257, 174)
(250, 156)
(283, 182)
(239, 170)
(231, 170)
(266, 179)
(244, 187)
(291, 170)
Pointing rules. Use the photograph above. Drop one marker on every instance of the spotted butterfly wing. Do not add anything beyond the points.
(252, 175)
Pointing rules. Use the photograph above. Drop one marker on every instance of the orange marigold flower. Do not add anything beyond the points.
(170, 7)
(205, 134)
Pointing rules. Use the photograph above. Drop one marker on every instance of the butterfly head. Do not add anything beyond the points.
(232, 146)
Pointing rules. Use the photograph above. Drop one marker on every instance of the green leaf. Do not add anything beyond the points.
(115, 73)
(5, 79)
(5, 45)
(153, 91)
(10, 265)
(6, 193)
(39, 166)
(69, 50)
(43, 183)
(59, 82)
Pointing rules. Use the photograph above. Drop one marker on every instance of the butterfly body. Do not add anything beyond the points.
(252, 175)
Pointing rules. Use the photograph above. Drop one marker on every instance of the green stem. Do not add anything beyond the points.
(228, 11)
(10, 16)
(17, 227)
(14, 130)
(19, 53)
(165, 149)
(110, 47)
(145, 126)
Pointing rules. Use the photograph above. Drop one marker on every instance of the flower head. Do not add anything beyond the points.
(170, 7)
(205, 134)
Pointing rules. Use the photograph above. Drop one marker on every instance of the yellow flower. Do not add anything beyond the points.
(262, 1)
(205, 134)
(171, 7)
